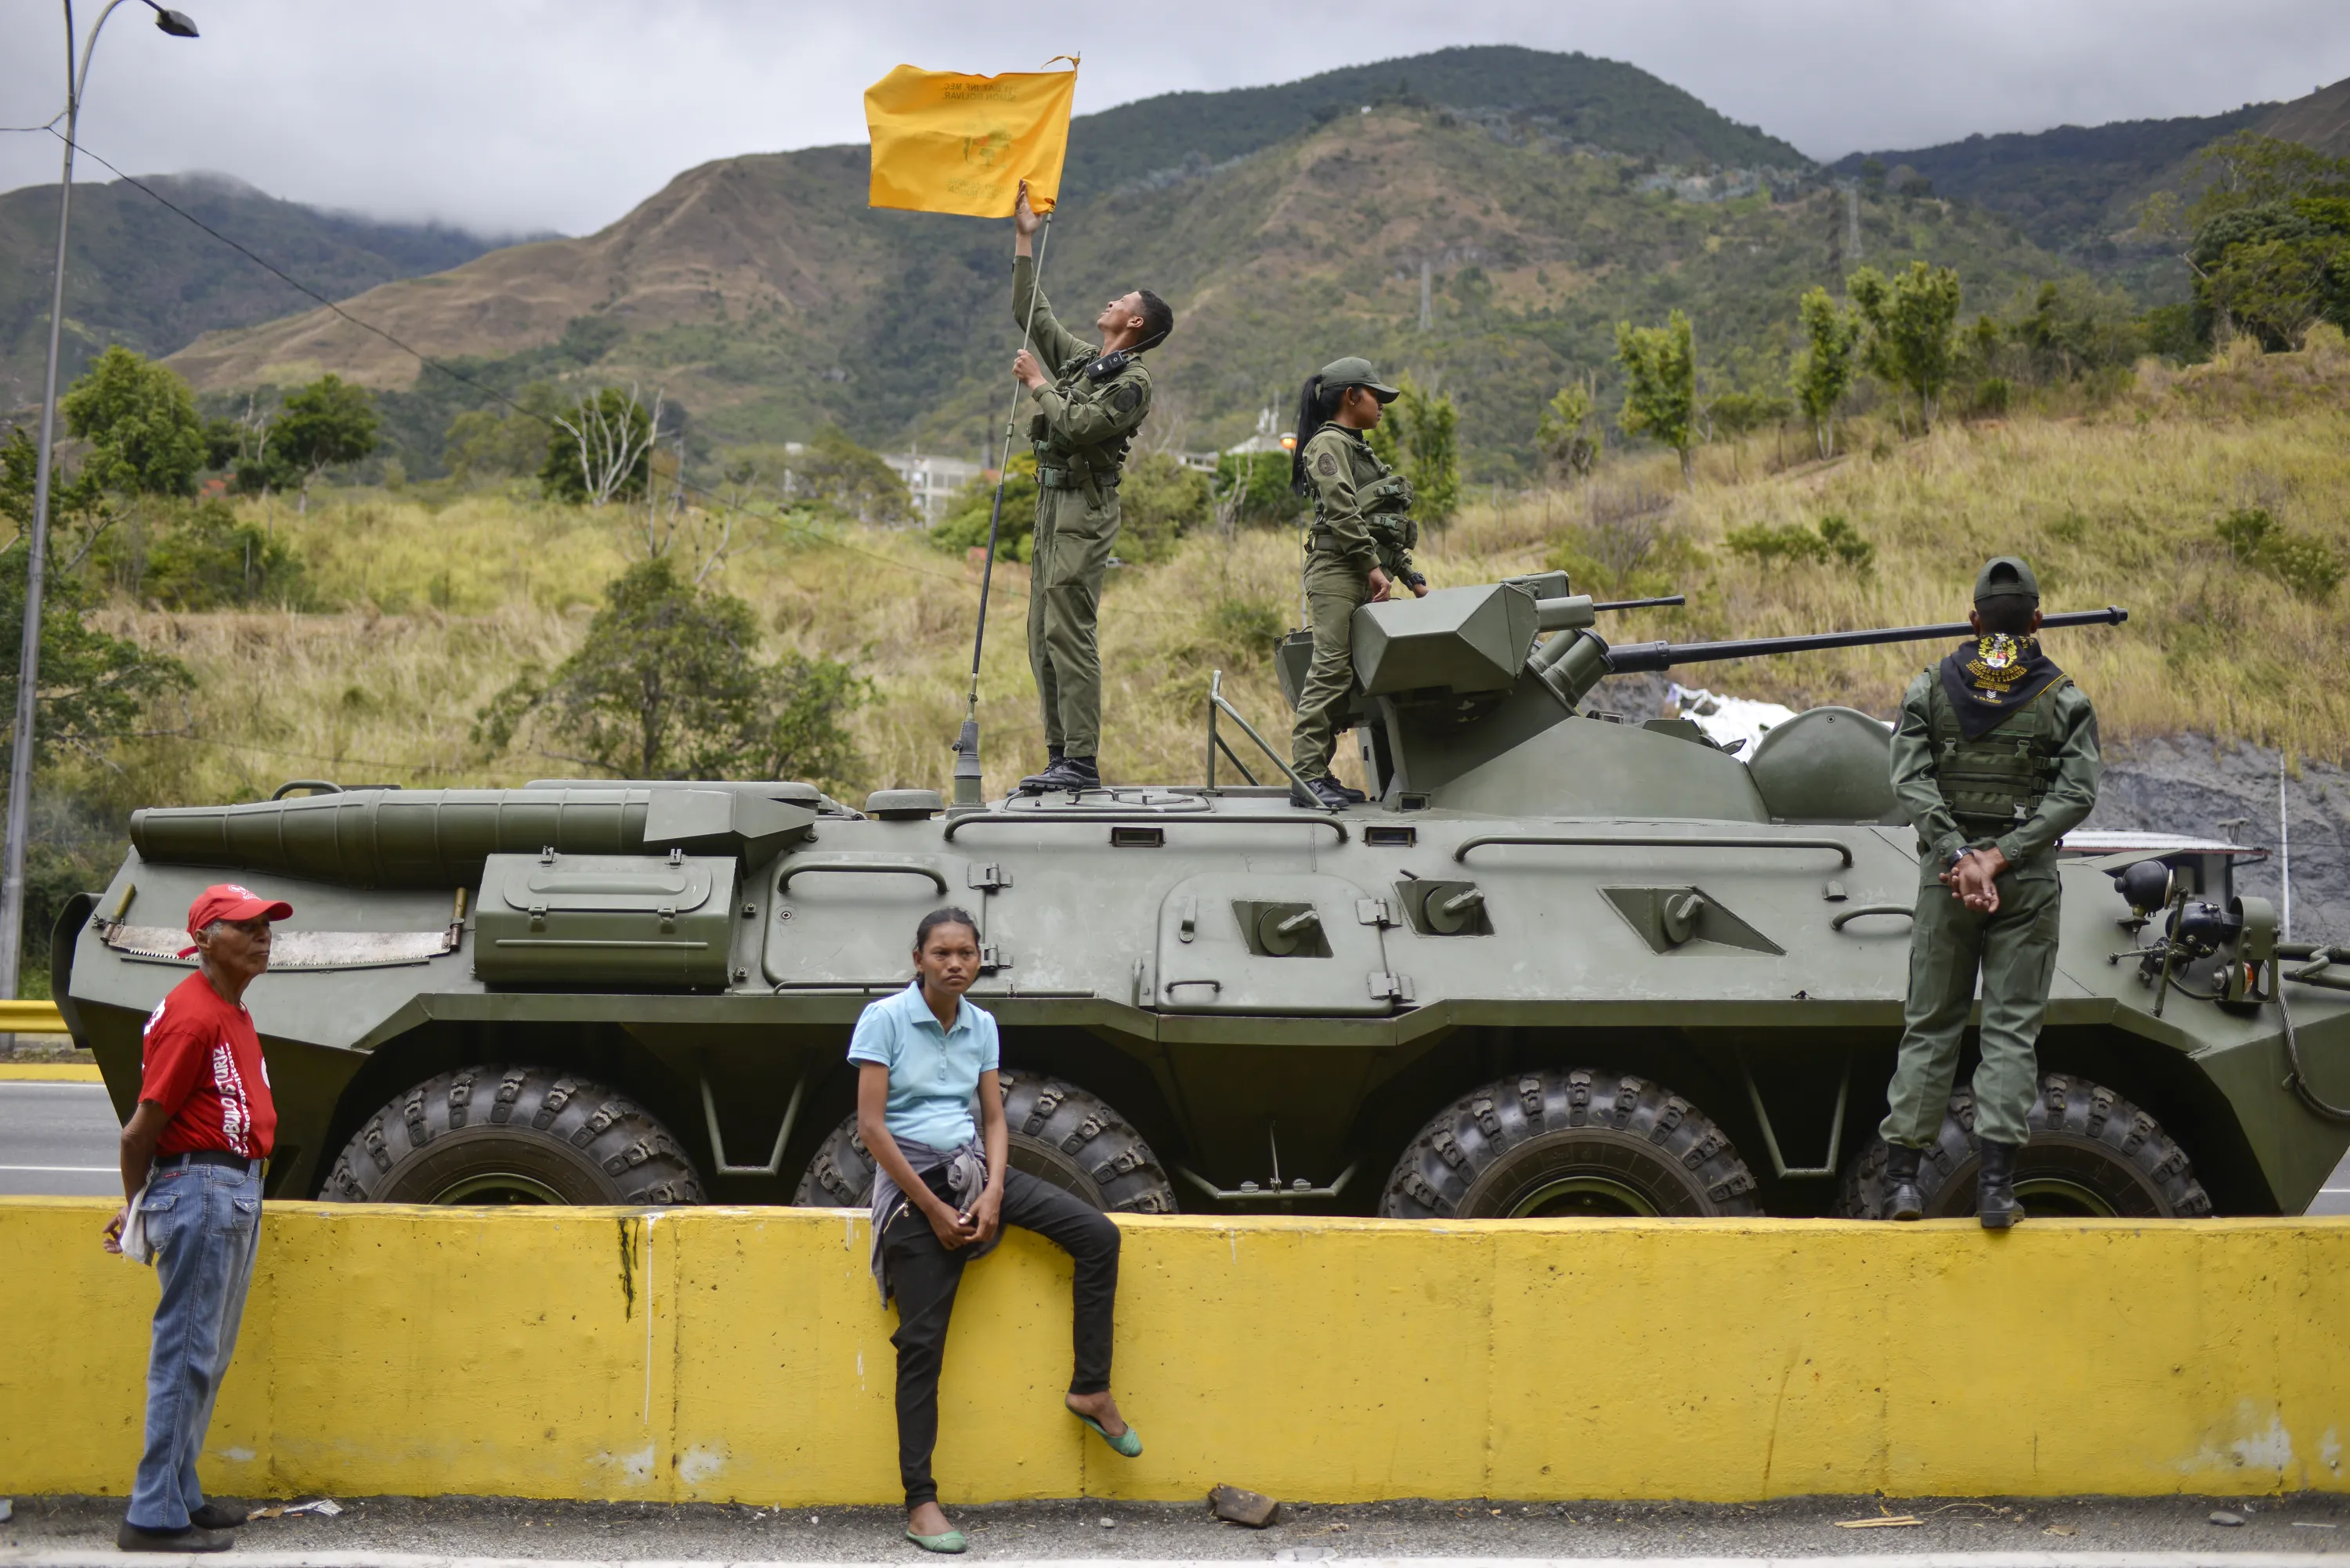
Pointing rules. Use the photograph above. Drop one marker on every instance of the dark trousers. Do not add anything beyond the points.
(923, 1276)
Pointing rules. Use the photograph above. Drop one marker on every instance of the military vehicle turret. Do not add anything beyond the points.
(1560, 965)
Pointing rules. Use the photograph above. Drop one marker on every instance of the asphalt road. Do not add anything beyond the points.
(59, 1140)
(384, 1529)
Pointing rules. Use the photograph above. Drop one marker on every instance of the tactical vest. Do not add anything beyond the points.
(1995, 782)
(1385, 502)
(1062, 464)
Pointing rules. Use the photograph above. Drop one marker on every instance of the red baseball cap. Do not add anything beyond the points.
(228, 901)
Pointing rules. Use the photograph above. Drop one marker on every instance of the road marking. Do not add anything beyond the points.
(49, 1072)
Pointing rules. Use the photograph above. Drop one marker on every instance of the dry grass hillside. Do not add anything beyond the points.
(2120, 505)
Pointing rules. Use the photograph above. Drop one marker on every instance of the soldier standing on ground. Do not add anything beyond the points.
(1089, 402)
(1357, 549)
(1995, 759)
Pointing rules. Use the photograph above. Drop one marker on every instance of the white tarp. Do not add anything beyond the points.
(1728, 719)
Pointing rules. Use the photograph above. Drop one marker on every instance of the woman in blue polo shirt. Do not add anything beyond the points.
(942, 1191)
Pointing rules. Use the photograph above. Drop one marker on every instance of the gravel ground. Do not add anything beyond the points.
(1799, 1527)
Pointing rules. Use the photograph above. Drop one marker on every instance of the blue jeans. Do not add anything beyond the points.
(205, 1223)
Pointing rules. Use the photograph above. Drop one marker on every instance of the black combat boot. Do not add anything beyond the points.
(1324, 795)
(1995, 1198)
(1354, 795)
(194, 1538)
(1065, 773)
(1903, 1199)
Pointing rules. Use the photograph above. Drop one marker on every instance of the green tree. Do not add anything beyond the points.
(1660, 386)
(1568, 443)
(487, 443)
(1823, 372)
(1252, 487)
(96, 688)
(964, 528)
(836, 472)
(1912, 322)
(600, 450)
(1420, 438)
(668, 684)
(140, 420)
(323, 425)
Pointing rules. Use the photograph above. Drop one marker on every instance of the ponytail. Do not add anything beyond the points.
(1316, 404)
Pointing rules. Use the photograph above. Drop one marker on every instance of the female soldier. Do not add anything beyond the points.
(942, 1191)
(1357, 550)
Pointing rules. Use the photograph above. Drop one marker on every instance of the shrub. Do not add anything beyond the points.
(1251, 628)
(1158, 502)
(965, 528)
(2304, 562)
(1835, 541)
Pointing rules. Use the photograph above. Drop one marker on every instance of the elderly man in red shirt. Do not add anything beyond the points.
(196, 1146)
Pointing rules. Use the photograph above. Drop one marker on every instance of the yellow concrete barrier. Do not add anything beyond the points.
(49, 1072)
(742, 1354)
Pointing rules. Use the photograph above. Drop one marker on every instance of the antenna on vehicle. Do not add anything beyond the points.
(968, 789)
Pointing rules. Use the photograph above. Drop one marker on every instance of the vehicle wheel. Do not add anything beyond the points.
(1581, 1143)
(513, 1135)
(1059, 1133)
(2092, 1154)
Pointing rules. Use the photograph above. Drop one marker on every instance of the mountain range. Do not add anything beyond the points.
(1480, 218)
(139, 275)
(2073, 189)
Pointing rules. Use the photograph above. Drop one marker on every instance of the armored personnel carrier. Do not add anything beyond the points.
(1560, 965)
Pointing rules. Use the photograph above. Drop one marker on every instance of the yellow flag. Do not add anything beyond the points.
(948, 143)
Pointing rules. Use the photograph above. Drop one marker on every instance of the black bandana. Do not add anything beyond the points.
(1991, 677)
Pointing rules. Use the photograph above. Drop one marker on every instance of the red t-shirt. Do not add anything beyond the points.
(203, 1066)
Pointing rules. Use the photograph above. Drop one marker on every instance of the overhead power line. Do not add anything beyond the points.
(700, 491)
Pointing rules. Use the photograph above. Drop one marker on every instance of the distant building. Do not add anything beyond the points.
(931, 480)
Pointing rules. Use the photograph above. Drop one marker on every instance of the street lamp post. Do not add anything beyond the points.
(29, 663)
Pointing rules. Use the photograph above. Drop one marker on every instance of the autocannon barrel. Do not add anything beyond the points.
(1631, 657)
(393, 838)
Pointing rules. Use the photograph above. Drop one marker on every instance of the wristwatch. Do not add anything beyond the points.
(1961, 853)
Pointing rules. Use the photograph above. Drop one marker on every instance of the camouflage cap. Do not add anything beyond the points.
(1353, 371)
(2005, 577)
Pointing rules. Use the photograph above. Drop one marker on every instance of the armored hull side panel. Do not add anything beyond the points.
(1572, 963)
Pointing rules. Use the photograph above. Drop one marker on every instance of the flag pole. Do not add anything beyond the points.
(969, 791)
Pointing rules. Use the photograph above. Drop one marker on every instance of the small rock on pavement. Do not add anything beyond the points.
(2222, 1516)
(1237, 1505)
(1109, 1524)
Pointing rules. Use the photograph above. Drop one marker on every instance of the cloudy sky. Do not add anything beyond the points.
(507, 116)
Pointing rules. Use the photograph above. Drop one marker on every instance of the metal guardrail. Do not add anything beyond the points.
(31, 1018)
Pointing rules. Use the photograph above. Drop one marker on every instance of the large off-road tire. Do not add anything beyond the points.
(512, 1134)
(2091, 1153)
(1571, 1144)
(1059, 1133)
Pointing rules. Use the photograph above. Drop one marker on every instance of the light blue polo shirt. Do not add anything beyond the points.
(933, 1072)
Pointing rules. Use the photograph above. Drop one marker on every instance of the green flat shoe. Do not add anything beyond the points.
(947, 1544)
(1125, 1443)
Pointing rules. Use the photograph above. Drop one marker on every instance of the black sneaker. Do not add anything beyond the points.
(1327, 796)
(213, 1516)
(137, 1537)
(1065, 773)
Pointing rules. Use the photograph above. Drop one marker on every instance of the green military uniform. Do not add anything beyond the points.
(2017, 786)
(1361, 520)
(1081, 429)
